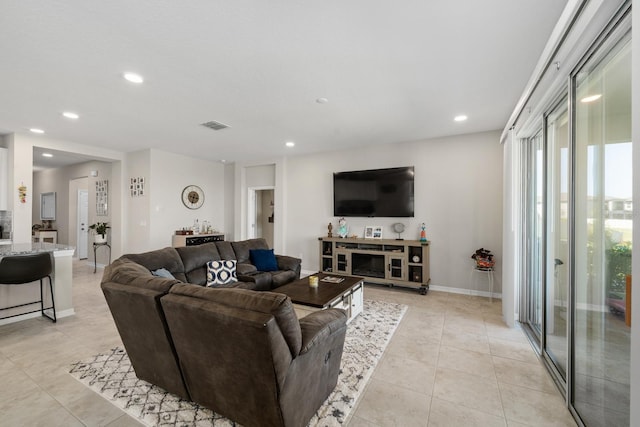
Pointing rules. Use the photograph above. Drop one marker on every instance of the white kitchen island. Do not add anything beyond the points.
(62, 281)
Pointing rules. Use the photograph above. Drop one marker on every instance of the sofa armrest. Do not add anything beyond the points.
(289, 263)
(317, 326)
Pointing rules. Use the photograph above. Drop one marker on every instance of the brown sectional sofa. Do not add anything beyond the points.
(188, 263)
(242, 353)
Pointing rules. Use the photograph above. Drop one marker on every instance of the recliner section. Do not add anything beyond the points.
(242, 353)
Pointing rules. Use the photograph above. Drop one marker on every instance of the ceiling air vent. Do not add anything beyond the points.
(215, 125)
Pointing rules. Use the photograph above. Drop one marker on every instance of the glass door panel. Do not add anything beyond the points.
(602, 230)
(557, 249)
(535, 229)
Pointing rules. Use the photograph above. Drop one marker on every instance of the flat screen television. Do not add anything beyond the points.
(374, 193)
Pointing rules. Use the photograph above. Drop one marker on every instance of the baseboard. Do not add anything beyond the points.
(97, 266)
(59, 315)
(463, 291)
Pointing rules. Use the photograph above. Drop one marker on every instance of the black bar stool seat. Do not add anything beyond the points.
(23, 269)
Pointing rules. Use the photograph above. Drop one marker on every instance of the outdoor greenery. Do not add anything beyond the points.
(618, 260)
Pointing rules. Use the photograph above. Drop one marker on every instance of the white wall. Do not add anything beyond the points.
(169, 175)
(458, 194)
(229, 202)
(137, 209)
(20, 173)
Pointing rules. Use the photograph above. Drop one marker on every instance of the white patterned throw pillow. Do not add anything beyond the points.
(221, 272)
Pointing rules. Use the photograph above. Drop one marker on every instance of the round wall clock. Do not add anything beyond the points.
(192, 196)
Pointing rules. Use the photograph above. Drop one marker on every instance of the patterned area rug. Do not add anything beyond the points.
(111, 375)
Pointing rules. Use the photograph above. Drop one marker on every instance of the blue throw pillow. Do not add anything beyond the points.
(263, 259)
(163, 272)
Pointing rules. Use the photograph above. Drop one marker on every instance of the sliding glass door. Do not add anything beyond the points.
(577, 222)
(603, 239)
(534, 226)
(557, 238)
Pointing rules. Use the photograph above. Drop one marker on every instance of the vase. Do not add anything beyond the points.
(99, 238)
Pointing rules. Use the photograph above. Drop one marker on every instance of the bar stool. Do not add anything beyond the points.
(23, 269)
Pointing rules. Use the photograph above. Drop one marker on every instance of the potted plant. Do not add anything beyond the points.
(100, 228)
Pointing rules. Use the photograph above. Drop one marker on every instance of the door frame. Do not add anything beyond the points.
(251, 207)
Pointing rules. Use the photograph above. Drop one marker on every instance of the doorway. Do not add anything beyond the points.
(261, 215)
(82, 226)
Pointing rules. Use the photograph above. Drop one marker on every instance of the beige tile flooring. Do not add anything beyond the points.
(452, 362)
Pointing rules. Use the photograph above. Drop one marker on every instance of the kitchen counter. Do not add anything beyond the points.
(62, 279)
(32, 248)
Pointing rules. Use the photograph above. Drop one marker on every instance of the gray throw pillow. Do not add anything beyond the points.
(163, 272)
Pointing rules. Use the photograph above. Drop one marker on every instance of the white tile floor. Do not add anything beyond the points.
(452, 362)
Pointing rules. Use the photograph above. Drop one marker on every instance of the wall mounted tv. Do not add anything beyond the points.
(374, 193)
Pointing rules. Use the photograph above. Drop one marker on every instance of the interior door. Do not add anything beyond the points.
(82, 226)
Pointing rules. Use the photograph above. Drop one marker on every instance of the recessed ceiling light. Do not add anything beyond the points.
(35, 130)
(70, 115)
(290, 144)
(322, 100)
(47, 155)
(133, 77)
(591, 98)
(460, 118)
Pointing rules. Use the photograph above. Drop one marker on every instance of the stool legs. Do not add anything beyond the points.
(53, 301)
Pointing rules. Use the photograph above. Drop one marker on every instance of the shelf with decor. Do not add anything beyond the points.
(402, 263)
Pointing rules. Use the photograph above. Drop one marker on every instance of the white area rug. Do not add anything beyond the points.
(111, 375)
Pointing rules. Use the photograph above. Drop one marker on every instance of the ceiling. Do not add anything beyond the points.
(391, 72)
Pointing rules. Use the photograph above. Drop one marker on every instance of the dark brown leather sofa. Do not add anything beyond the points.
(242, 353)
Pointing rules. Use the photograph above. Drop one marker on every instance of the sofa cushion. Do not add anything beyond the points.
(263, 259)
(277, 305)
(195, 259)
(281, 277)
(127, 272)
(243, 247)
(221, 272)
(226, 250)
(166, 258)
(246, 268)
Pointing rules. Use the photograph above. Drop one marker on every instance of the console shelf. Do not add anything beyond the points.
(403, 263)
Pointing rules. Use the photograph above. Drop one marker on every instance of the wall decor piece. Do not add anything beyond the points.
(192, 196)
(102, 197)
(22, 193)
(136, 186)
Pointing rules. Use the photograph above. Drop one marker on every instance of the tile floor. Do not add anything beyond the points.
(452, 362)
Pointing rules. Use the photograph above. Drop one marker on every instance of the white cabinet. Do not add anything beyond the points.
(45, 236)
(4, 178)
